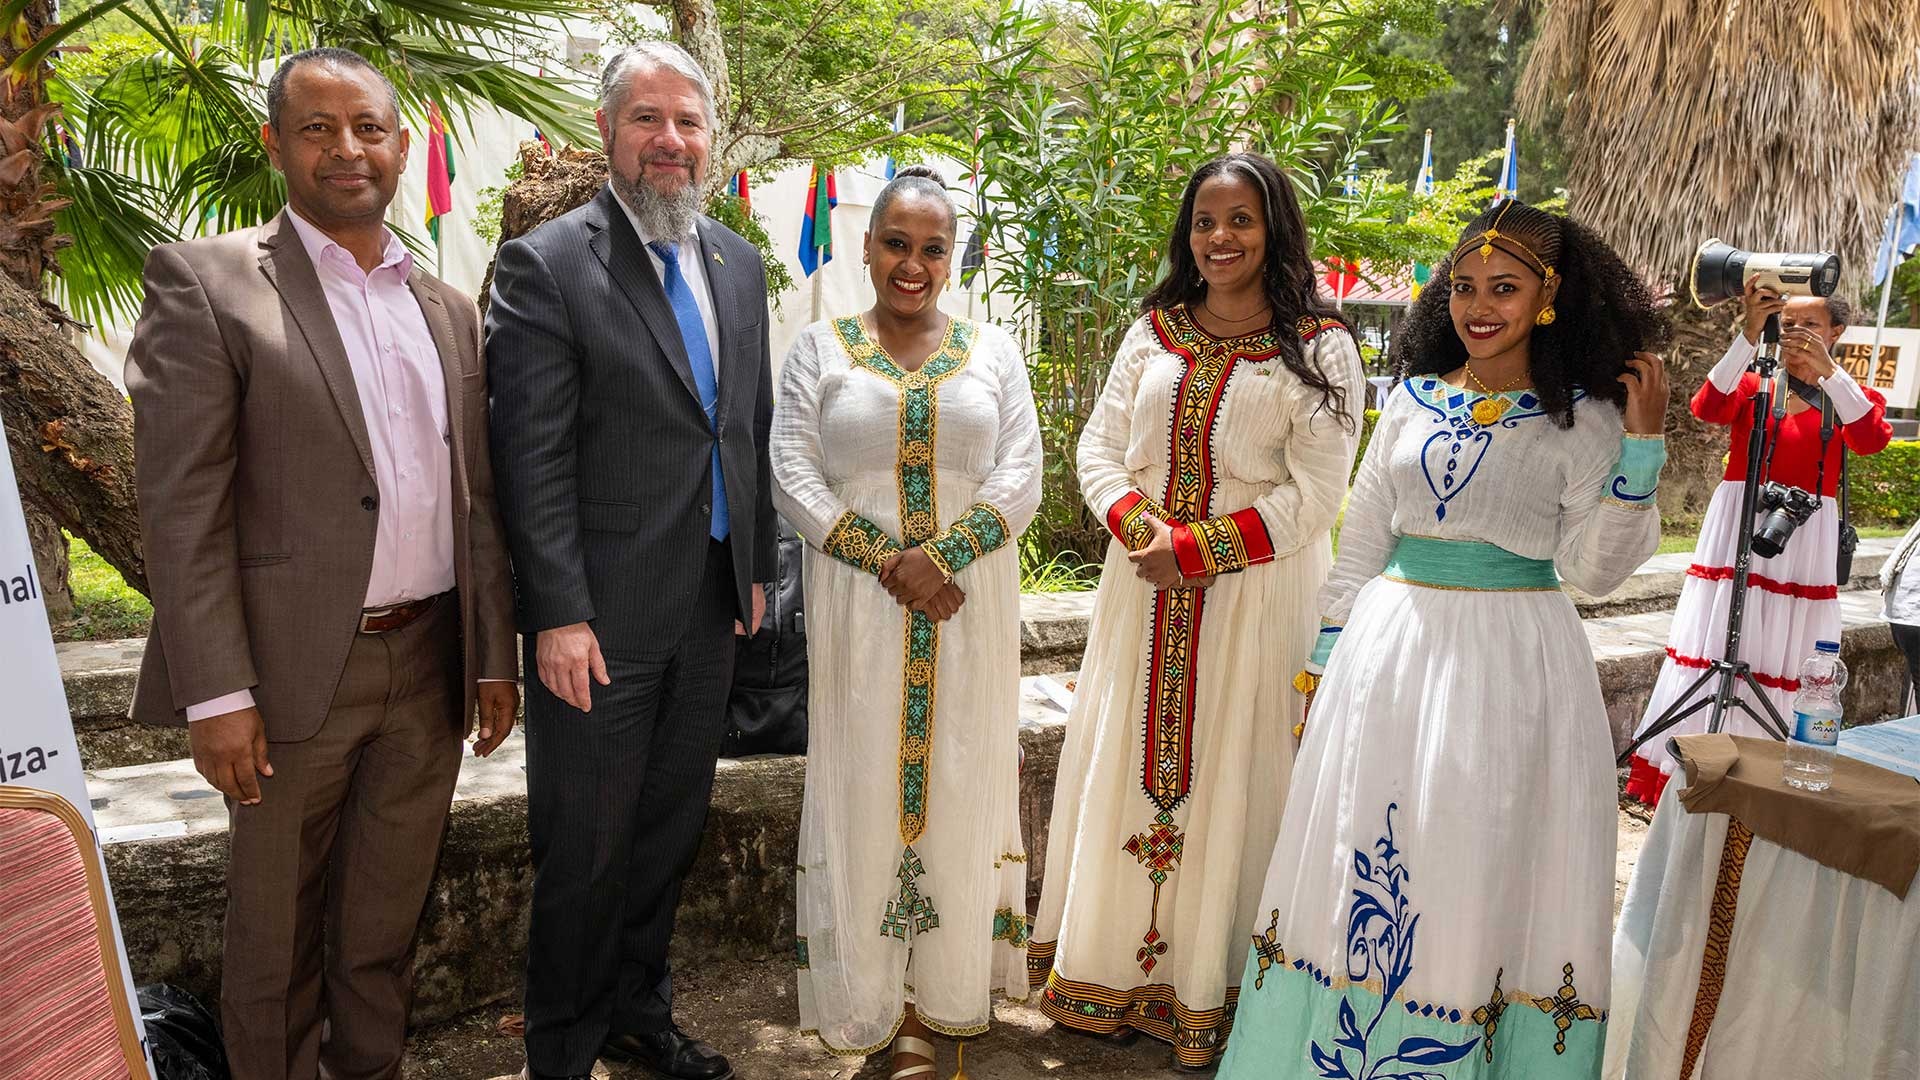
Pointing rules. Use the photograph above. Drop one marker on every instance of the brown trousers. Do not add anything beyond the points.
(329, 872)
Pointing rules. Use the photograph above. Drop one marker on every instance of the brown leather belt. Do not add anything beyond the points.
(387, 619)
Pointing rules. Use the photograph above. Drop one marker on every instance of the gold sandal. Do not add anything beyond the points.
(907, 1044)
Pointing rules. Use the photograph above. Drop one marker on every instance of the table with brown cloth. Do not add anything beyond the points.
(1771, 932)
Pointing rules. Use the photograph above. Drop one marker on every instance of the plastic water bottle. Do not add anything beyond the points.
(1808, 762)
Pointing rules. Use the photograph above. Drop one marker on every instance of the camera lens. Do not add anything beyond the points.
(1770, 539)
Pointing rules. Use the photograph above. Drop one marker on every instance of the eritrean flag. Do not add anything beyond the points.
(1423, 187)
(816, 227)
(439, 171)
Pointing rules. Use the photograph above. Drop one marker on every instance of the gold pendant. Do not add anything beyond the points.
(1488, 410)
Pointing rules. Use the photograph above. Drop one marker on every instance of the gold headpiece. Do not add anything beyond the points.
(1507, 242)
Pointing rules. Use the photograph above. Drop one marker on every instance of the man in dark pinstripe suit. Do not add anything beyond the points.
(627, 347)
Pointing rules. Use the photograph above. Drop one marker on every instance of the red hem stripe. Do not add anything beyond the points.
(1767, 584)
(1771, 682)
(1253, 534)
(1645, 781)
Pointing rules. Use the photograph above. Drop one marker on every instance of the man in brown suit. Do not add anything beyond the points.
(330, 583)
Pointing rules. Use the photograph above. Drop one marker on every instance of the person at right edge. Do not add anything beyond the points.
(1792, 598)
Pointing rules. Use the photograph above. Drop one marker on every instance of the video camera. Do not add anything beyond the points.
(1722, 272)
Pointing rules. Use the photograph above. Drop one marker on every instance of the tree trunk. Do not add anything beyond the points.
(70, 431)
(50, 559)
(1696, 452)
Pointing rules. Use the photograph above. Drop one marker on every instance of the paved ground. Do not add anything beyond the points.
(747, 1010)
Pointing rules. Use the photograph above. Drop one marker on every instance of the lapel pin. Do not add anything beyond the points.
(718, 259)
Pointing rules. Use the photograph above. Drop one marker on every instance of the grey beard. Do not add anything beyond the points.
(663, 217)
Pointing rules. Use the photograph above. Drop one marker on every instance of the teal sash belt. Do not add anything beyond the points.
(1467, 564)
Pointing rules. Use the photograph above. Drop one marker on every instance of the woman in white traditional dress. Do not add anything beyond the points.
(1439, 902)
(1793, 597)
(905, 449)
(1217, 454)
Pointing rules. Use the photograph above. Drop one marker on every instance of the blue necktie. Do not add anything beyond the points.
(693, 331)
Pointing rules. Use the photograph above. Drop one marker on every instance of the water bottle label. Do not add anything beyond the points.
(1818, 730)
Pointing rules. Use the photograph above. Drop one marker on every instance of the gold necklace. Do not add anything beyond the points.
(1264, 308)
(1491, 407)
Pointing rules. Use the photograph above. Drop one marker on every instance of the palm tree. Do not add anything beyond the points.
(1775, 126)
(169, 143)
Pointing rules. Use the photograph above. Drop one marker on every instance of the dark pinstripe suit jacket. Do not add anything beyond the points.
(600, 447)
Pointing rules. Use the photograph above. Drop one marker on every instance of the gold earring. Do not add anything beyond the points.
(1546, 316)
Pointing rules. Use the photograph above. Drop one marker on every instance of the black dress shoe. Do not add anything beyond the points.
(671, 1053)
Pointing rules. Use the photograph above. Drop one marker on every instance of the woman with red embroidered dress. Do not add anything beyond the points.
(1217, 454)
(1792, 597)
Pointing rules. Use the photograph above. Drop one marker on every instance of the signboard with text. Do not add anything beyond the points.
(1896, 375)
(37, 747)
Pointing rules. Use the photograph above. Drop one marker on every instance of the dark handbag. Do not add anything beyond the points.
(1849, 536)
(767, 710)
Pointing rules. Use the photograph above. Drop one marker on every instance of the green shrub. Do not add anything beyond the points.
(1884, 488)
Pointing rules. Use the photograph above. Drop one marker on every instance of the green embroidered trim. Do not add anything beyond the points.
(911, 911)
(983, 529)
(914, 477)
(800, 953)
(858, 542)
(1012, 928)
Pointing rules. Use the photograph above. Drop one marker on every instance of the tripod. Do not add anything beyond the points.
(1730, 671)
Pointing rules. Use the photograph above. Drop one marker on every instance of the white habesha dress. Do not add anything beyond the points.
(1179, 741)
(1439, 901)
(912, 878)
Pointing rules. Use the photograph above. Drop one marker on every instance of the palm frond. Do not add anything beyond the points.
(1773, 126)
(113, 226)
(231, 185)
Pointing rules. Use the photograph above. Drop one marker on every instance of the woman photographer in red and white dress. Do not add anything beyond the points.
(1791, 598)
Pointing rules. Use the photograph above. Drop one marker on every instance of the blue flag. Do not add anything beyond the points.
(1903, 225)
(1509, 169)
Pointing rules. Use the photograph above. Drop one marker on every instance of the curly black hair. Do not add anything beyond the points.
(1605, 313)
(1288, 274)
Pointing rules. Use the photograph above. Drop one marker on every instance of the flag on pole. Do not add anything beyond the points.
(439, 171)
(816, 227)
(737, 187)
(899, 125)
(975, 259)
(1423, 187)
(1903, 225)
(1509, 169)
(542, 140)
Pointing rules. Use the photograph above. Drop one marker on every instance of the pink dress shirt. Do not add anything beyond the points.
(403, 398)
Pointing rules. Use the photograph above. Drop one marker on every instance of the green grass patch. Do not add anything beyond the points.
(104, 605)
(1684, 541)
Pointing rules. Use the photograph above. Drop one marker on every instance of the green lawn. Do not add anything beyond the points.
(1676, 541)
(104, 607)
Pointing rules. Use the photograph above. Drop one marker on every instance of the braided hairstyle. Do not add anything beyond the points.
(919, 180)
(1605, 311)
(1287, 277)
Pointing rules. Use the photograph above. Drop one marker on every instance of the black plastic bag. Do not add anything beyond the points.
(183, 1035)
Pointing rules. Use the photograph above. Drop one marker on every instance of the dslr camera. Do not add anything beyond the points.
(1722, 272)
(1782, 509)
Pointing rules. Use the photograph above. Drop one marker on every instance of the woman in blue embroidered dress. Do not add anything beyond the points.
(1217, 454)
(1439, 901)
(906, 450)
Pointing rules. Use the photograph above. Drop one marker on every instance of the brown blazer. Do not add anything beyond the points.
(257, 494)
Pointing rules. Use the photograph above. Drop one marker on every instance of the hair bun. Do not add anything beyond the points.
(926, 171)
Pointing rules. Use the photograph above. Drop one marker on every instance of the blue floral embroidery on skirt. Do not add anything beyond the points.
(1380, 933)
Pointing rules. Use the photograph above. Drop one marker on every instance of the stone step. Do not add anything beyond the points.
(99, 675)
(166, 847)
